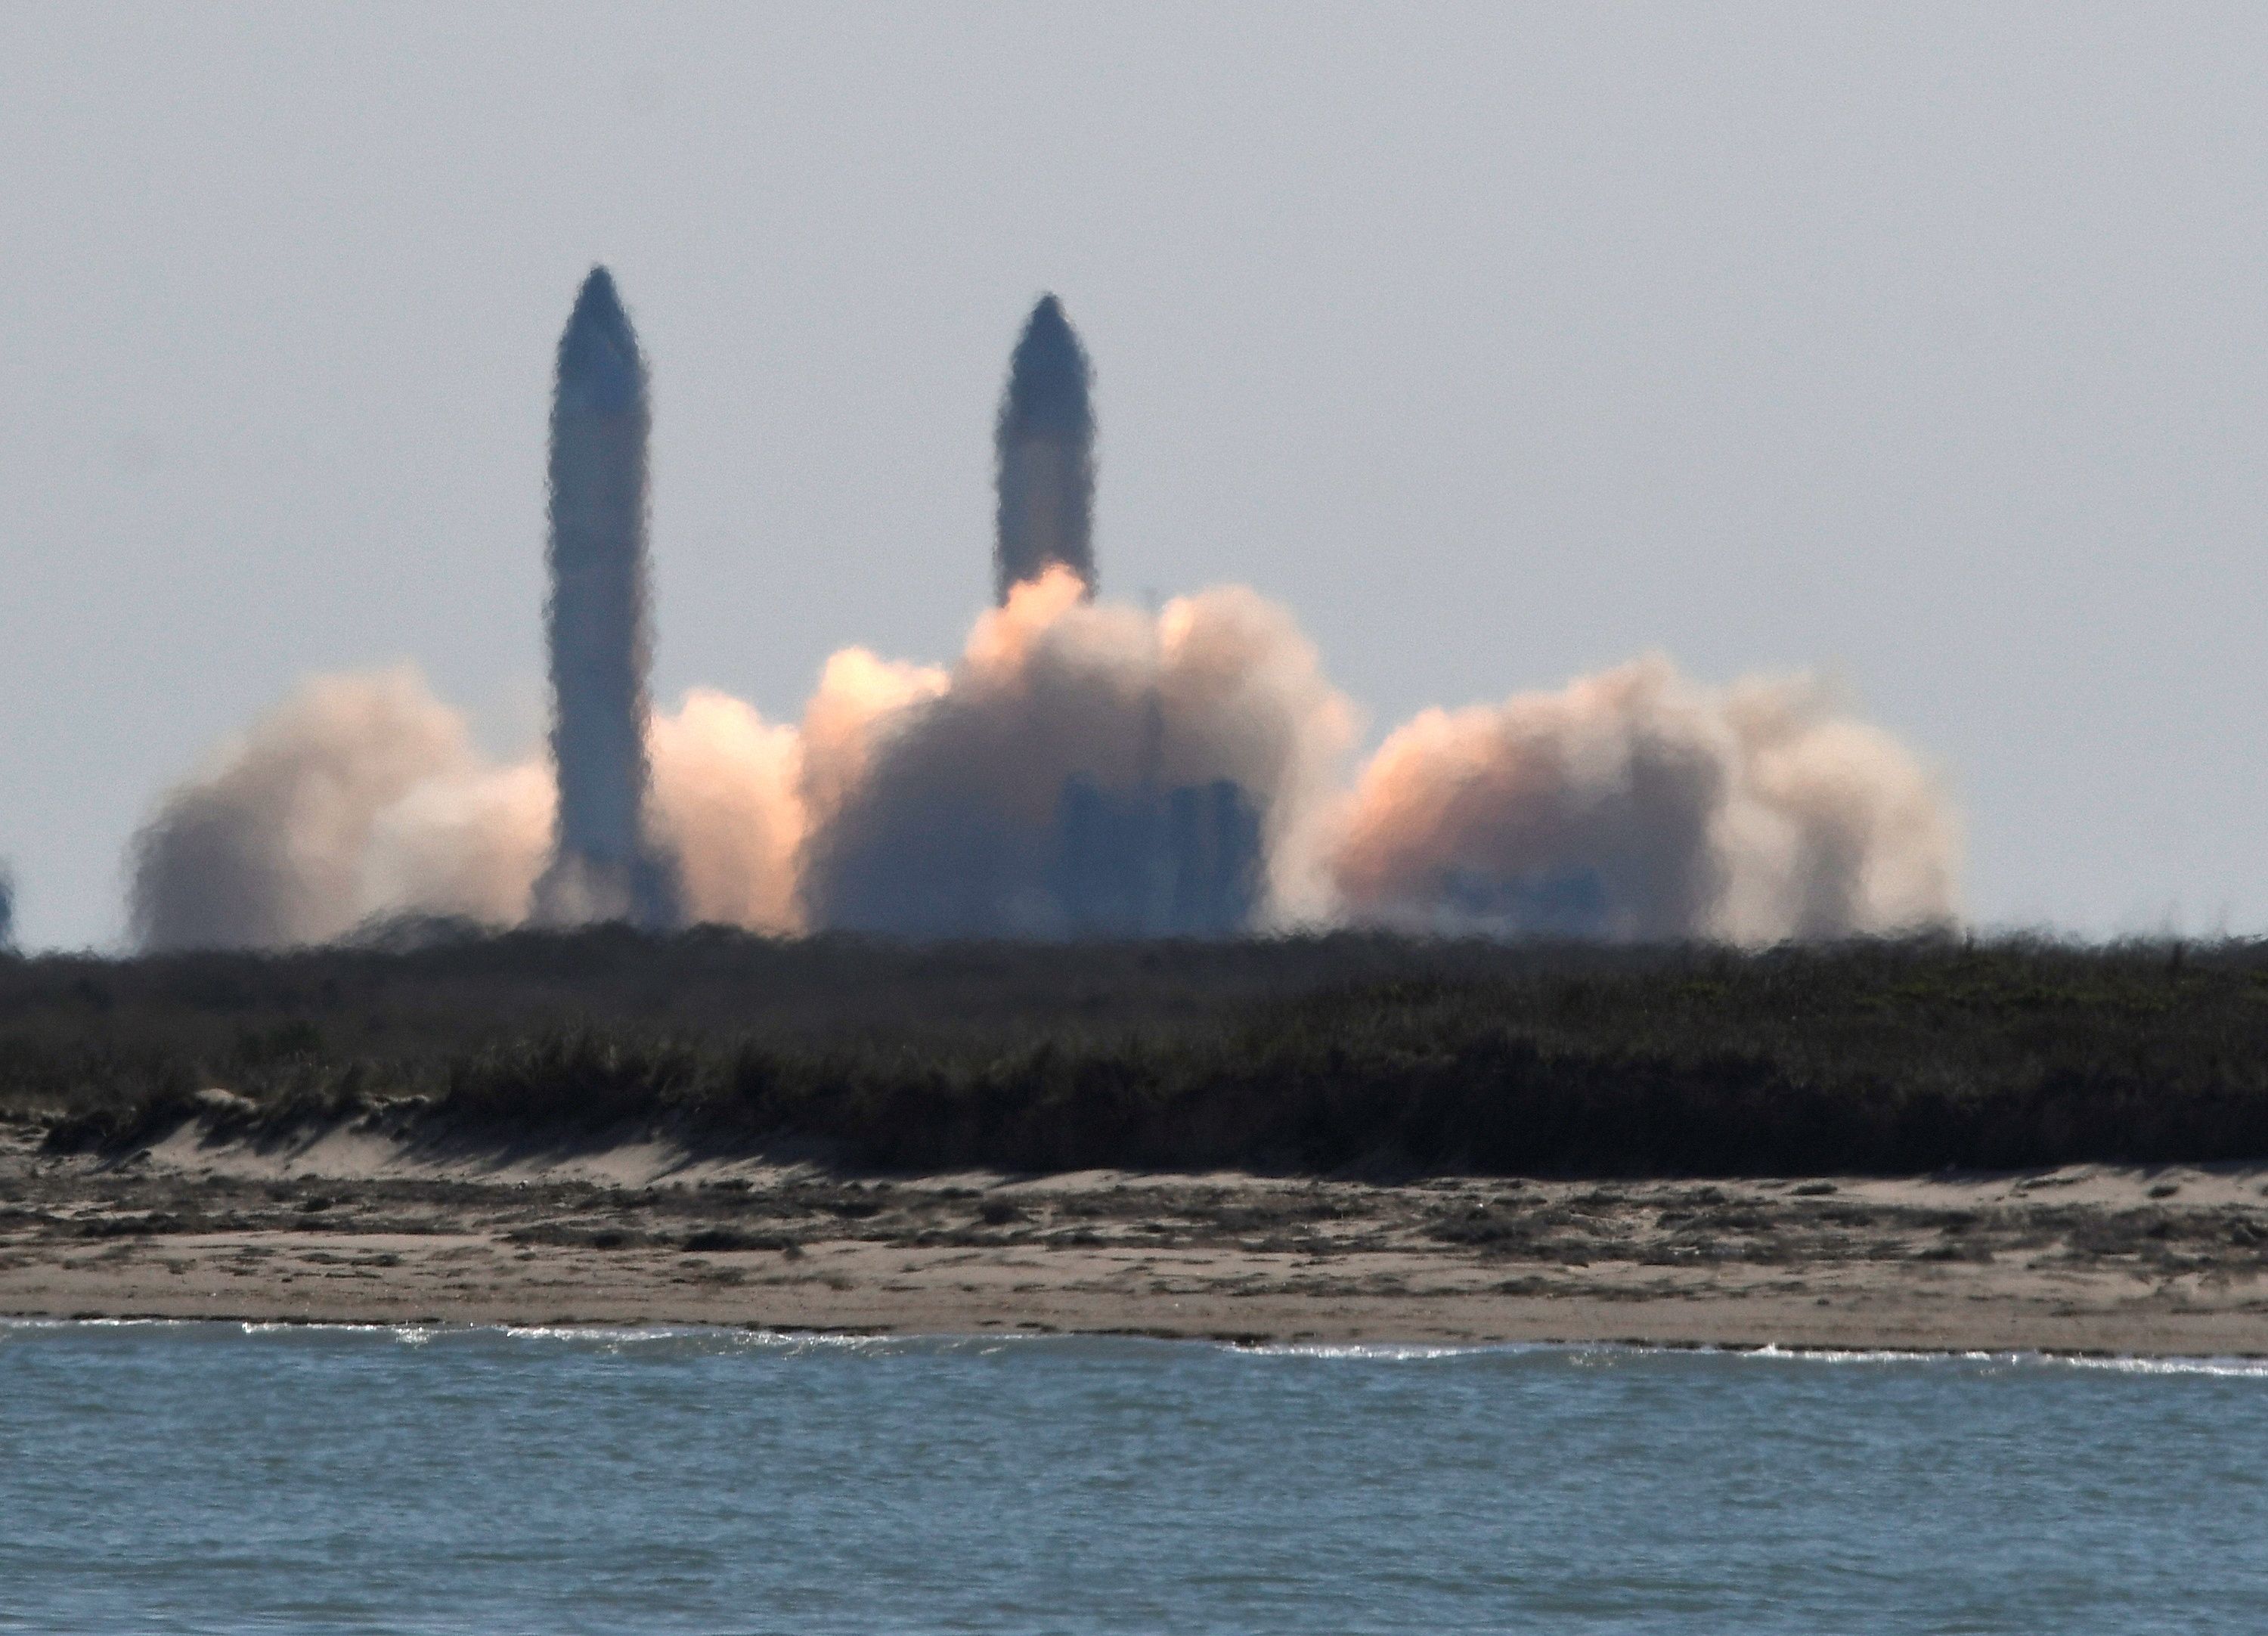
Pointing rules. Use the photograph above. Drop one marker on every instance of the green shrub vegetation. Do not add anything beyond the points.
(1324, 1053)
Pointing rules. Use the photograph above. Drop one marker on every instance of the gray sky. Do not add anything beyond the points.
(1925, 344)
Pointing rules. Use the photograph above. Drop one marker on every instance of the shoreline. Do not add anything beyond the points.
(421, 1331)
(340, 1226)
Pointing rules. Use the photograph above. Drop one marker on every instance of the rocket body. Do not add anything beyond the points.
(604, 865)
(1046, 439)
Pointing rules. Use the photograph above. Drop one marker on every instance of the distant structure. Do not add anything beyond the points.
(1154, 861)
(1151, 862)
(604, 866)
(1046, 439)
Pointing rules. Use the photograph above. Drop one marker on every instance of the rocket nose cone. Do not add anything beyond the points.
(599, 302)
(599, 364)
(1048, 377)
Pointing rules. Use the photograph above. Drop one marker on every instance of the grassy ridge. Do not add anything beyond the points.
(1307, 1054)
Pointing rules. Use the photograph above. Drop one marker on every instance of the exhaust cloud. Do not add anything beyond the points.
(1082, 769)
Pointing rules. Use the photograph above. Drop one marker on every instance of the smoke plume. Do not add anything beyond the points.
(729, 809)
(1081, 769)
(933, 801)
(362, 798)
(267, 849)
(940, 812)
(605, 865)
(1635, 805)
(1046, 445)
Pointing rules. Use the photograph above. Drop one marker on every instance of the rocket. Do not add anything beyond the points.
(604, 865)
(1046, 439)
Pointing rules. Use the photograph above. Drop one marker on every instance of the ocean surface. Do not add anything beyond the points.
(162, 1478)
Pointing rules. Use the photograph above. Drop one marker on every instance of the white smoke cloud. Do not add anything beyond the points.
(930, 800)
(473, 842)
(727, 804)
(268, 847)
(949, 822)
(361, 796)
(1637, 805)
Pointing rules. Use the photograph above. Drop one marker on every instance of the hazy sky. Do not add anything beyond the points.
(1928, 345)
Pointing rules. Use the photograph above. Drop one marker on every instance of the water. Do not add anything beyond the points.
(212, 1477)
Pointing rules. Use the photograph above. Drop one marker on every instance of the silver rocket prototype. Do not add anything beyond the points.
(1046, 439)
(604, 866)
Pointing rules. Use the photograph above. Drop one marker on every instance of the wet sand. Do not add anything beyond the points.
(346, 1227)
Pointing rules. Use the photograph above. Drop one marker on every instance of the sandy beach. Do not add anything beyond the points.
(344, 1227)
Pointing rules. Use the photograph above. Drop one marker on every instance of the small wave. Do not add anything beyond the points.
(783, 1343)
(1596, 1353)
(2231, 1367)
(2227, 1368)
(1771, 1351)
(1396, 1352)
(281, 1326)
(607, 1333)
